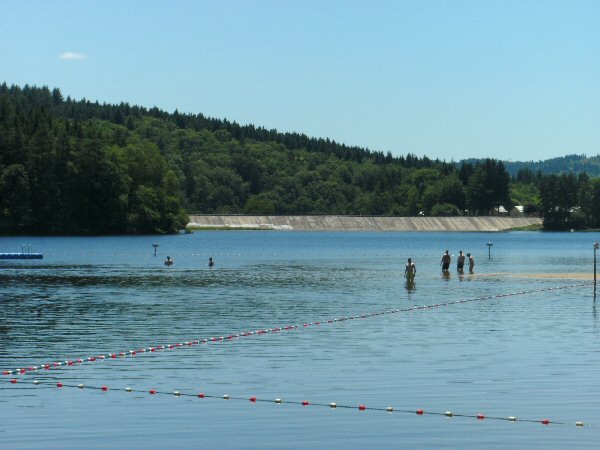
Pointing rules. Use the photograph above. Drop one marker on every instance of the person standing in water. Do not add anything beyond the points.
(471, 262)
(445, 262)
(460, 261)
(410, 271)
(210, 262)
(168, 261)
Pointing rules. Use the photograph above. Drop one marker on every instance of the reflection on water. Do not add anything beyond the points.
(528, 355)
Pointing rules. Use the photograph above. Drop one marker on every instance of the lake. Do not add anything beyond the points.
(533, 355)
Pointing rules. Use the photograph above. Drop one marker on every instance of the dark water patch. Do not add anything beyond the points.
(250, 277)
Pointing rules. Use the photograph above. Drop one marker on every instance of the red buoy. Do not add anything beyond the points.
(480, 416)
(361, 407)
(104, 388)
(253, 399)
(545, 422)
(59, 384)
(152, 391)
(201, 395)
(305, 403)
(419, 412)
(13, 381)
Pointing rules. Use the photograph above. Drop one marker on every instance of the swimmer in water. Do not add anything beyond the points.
(410, 271)
(168, 261)
(471, 262)
(460, 261)
(445, 262)
(210, 262)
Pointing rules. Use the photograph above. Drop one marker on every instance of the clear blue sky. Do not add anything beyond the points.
(515, 80)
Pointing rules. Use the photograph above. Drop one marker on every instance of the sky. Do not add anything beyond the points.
(516, 80)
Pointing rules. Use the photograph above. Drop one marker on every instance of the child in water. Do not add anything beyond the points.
(471, 262)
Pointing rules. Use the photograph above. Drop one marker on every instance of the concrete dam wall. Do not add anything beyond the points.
(361, 223)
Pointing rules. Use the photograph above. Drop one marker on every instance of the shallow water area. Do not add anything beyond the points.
(532, 355)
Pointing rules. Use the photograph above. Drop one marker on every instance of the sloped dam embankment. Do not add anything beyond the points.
(361, 223)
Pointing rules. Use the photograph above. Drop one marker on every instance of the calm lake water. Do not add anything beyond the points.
(533, 356)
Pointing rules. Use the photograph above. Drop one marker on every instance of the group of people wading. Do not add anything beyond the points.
(411, 270)
(460, 262)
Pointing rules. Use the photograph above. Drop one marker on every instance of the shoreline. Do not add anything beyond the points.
(359, 223)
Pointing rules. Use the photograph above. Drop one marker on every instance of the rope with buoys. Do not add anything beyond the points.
(306, 403)
(152, 349)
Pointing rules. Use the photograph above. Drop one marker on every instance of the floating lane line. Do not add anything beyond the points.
(231, 337)
(278, 401)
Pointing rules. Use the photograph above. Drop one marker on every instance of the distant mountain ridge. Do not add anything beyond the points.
(575, 164)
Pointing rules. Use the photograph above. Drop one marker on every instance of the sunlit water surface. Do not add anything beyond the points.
(533, 356)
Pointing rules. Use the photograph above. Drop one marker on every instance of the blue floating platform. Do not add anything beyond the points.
(21, 256)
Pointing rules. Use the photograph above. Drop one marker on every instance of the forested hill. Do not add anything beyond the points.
(79, 167)
(574, 164)
(75, 166)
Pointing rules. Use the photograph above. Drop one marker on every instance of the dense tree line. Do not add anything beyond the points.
(566, 201)
(64, 175)
(69, 166)
(569, 201)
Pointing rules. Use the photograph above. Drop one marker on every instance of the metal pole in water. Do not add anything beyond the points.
(596, 246)
(155, 247)
(489, 244)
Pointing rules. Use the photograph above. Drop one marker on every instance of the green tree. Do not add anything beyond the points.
(259, 204)
(558, 199)
(488, 187)
(14, 200)
(596, 203)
